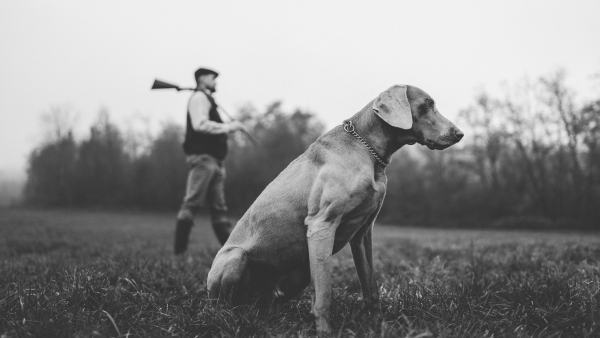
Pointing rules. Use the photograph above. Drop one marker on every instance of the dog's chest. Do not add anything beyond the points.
(361, 216)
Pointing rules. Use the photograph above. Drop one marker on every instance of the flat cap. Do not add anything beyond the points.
(204, 71)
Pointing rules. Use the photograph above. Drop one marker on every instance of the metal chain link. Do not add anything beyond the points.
(349, 128)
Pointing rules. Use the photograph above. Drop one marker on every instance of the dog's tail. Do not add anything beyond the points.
(227, 274)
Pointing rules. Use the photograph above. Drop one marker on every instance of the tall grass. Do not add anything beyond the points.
(96, 274)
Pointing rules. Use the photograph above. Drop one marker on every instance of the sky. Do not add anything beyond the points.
(329, 57)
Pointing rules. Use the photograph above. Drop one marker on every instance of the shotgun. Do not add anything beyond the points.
(158, 84)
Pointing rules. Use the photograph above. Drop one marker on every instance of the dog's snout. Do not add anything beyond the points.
(458, 134)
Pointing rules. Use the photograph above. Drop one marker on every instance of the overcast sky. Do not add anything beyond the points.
(330, 57)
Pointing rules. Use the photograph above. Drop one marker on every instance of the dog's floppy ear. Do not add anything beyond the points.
(393, 107)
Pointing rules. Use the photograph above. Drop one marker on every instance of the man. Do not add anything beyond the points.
(205, 146)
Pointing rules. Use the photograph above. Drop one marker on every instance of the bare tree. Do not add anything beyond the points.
(488, 138)
(560, 102)
(58, 122)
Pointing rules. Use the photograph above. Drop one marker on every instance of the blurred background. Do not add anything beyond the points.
(80, 128)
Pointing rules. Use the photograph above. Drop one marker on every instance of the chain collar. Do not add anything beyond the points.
(349, 128)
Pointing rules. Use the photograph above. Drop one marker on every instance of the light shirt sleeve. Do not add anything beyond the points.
(199, 109)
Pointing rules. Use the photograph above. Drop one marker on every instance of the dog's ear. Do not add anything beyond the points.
(393, 107)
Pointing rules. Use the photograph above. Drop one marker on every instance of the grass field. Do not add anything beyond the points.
(101, 274)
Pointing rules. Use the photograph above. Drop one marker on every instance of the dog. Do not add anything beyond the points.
(325, 198)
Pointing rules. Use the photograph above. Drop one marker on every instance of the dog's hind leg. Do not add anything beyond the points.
(229, 275)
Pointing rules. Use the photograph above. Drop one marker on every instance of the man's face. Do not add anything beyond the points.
(208, 81)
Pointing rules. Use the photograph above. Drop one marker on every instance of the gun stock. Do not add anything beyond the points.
(164, 85)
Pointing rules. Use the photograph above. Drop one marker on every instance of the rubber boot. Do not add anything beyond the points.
(222, 230)
(182, 235)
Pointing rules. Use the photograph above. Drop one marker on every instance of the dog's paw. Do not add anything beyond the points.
(323, 327)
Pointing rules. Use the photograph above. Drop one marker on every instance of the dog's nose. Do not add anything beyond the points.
(458, 134)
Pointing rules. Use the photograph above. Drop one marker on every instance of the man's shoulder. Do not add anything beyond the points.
(200, 93)
(199, 97)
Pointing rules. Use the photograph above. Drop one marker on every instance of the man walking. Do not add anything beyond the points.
(205, 147)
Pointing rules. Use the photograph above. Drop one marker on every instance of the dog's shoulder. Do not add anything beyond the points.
(330, 150)
(323, 150)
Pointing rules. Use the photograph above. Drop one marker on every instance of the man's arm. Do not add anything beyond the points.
(199, 108)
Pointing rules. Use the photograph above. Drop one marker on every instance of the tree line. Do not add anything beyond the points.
(530, 158)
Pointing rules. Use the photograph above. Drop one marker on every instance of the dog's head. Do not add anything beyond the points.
(411, 109)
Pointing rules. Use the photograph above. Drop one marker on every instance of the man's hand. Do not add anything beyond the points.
(236, 125)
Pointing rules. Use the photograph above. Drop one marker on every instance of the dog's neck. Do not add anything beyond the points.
(382, 137)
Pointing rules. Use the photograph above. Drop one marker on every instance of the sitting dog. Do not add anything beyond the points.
(327, 197)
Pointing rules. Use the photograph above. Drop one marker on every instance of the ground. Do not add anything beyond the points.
(103, 274)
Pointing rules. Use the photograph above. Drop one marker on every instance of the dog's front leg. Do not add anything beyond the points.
(321, 236)
(362, 252)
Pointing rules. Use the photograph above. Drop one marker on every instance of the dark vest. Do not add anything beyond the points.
(201, 143)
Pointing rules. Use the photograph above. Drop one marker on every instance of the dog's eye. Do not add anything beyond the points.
(429, 103)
